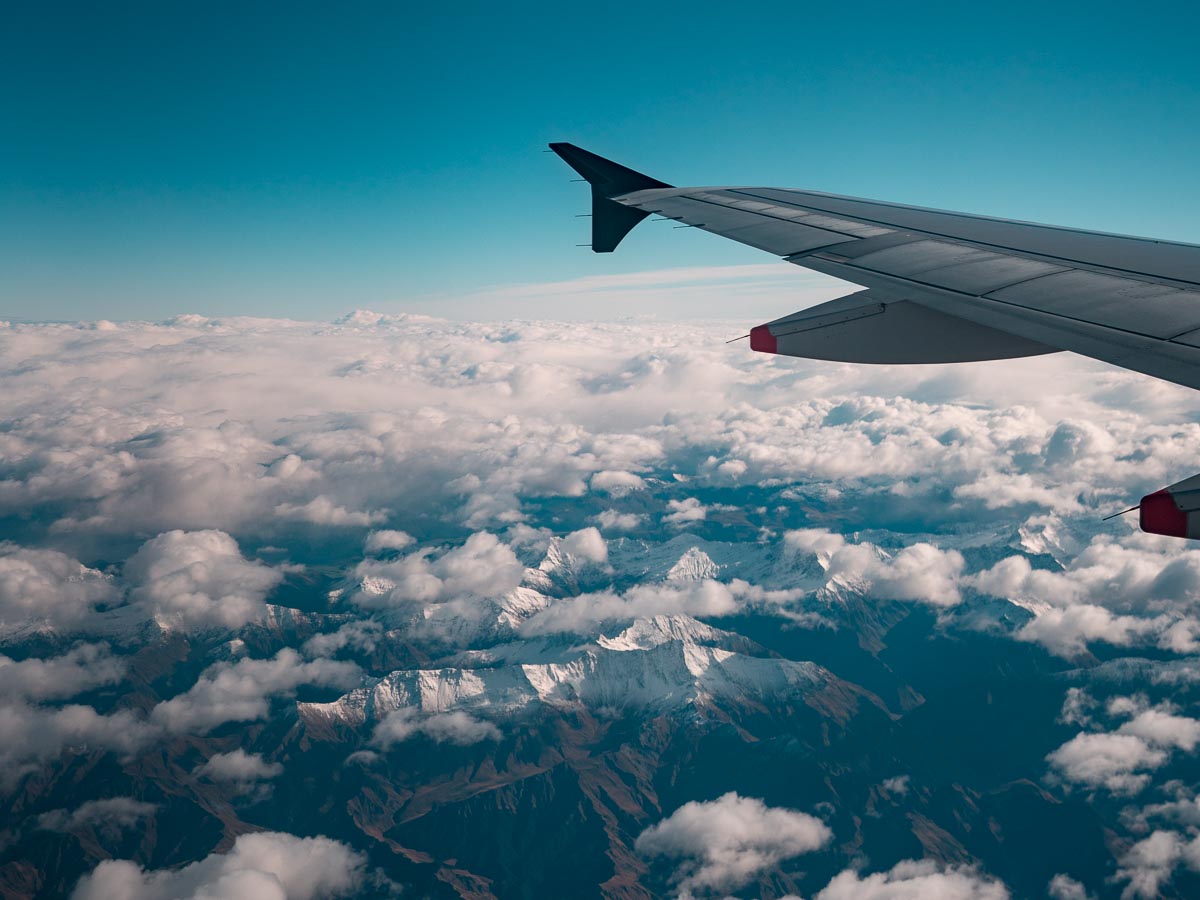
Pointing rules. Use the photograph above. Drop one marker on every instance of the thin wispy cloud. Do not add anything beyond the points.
(747, 293)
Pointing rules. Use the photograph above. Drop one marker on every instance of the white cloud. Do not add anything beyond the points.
(915, 880)
(264, 866)
(45, 585)
(36, 734)
(1068, 631)
(483, 566)
(83, 667)
(1136, 591)
(240, 767)
(1114, 761)
(1164, 729)
(387, 540)
(323, 511)
(361, 634)
(684, 512)
(919, 572)
(1077, 707)
(500, 413)
(678, 293)
(617, 484)
(579, 614)
(200, 578)
(455, 727)
(109, 814)
(725, 843)
(611, 520)
(1064, 887)
(1120, 760)
(586, 544)
(1150, 863)
(242, 691)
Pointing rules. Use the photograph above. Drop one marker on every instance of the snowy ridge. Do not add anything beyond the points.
(658, 664)
(644, 634)
(479, 622)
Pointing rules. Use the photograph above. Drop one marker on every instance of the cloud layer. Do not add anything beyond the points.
(476, 492)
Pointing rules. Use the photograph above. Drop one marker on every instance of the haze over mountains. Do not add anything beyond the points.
(394, 605)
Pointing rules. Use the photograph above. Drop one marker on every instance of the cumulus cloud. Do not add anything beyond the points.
(265, 866)
(1120, 760)
(611, 520)
(1114, 761)
(1139, 591)
(456, 727)
(242, 691)
(36, 734)
(482, 566)
(682, 513)
(83, 667)
(199, 578)
(586, 544)
(109, 814)
(724, 844)
(919, 572)
(385, 539)
(323, 511)
(1067, 632)
(48, 586)
(694, 598)
(239, 767)
(915, 880)
(1064, 887)
(361, 634)
(1162, 728)
(617, 484)
(1150, 863)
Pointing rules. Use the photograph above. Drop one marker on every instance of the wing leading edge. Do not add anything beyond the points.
(942, 286)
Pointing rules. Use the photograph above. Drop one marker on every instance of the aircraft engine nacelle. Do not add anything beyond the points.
(1173, 511)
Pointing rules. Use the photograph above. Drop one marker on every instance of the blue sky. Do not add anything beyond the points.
(292, 161)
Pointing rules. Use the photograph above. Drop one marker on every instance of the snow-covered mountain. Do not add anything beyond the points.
(659, 664)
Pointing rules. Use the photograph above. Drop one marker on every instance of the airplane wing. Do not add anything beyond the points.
(941, 286)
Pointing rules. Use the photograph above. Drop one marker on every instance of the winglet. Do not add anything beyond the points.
(610, 220)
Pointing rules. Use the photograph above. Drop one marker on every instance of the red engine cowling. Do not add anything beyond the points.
(1173, 511)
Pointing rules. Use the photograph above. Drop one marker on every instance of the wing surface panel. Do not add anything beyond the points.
(1149, 258)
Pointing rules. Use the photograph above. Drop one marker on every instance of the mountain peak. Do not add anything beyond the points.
(694, 565)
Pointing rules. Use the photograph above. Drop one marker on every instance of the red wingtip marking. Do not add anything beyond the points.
(1160, 515)
(762, 340)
